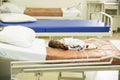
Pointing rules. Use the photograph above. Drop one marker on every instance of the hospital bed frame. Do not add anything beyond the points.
(107, 19)
(38, 67)
(101, 16)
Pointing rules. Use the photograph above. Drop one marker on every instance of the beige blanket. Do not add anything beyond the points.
(104, 48)
(43, 11)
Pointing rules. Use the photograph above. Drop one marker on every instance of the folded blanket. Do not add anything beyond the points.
(43, 11)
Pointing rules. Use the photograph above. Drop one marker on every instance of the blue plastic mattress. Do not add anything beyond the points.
(64, 25)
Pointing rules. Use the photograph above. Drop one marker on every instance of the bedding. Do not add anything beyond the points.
(43, 11)
(69, 27)
(35, 52)
(105, 48)
(18, 36)
(58, 26)
(71, 12)
(11, 8)
(16, 18)
(61, 12)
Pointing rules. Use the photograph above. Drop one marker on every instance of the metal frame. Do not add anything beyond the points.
(93, 64)
(107, 19)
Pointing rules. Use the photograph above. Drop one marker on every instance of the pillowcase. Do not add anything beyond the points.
(14, 17)
(17, 35)
(11, 8)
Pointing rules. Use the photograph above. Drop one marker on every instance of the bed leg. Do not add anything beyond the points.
(38, 75)
(50, 37)
(59, 76)
(119, 75)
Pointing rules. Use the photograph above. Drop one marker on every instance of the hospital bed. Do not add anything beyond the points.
(98, 27)
(106, 57)
(42, 12)
(52, 12)
(101, 26)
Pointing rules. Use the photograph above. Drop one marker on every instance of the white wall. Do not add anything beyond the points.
(57, 3)
(46, 3)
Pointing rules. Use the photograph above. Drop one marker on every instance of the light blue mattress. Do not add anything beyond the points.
(64, 25)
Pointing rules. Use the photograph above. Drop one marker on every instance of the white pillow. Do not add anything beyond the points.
(14, 17)
(17, 35)
(11, 8)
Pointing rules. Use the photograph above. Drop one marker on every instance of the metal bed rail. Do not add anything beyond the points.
(106, 18)
(63, 65)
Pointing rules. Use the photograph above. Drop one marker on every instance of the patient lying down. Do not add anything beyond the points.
(85, 49)
(23, 38)
(71, 44)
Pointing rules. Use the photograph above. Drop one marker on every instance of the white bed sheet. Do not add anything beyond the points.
(34, 53)
(70, 12)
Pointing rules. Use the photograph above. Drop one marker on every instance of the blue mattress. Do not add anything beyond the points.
(64, 25)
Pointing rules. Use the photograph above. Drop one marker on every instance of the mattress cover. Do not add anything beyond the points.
(43, 11)
(64, 25)
(105, 48)
(35, 53)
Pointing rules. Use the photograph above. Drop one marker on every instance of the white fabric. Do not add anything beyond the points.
(15, 17)
(70, 12)
(34, 53)
(74, 44)
(18, 36)
(11, 8)
(116, 43)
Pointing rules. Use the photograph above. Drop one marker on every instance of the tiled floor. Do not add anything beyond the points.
(116, 35)
(54, 75)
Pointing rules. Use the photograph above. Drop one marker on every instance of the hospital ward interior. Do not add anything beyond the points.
(59, 39)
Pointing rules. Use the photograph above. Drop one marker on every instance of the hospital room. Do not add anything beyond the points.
(59, 39)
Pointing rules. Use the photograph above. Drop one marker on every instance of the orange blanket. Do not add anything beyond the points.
(43, 11)
(104, 48)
